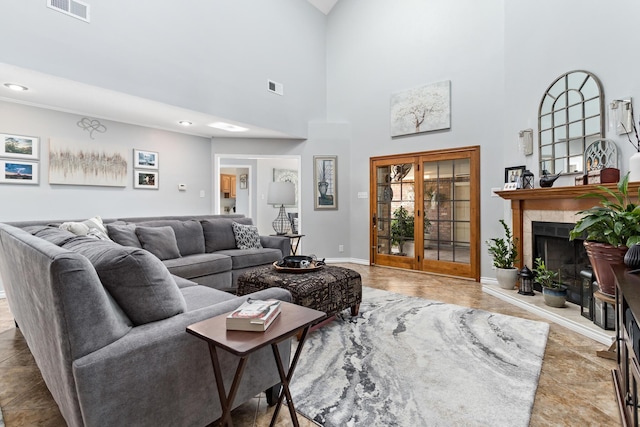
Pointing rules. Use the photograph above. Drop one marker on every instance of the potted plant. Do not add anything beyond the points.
(402, 226)
(505, 254)
(610, 230)
(554, 293)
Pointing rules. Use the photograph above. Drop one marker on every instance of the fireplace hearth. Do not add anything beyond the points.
(551, 243)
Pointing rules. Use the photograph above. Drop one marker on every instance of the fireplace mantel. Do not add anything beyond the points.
(552, 199)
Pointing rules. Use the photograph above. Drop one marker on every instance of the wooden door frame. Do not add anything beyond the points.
(449, 268)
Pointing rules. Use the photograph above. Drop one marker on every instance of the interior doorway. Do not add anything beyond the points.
(425, 212)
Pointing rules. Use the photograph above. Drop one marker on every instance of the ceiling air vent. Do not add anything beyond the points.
(74, 8)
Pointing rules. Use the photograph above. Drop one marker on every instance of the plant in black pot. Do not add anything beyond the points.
(402, 227)
(610, 229)
(505, 254)
(554, 292)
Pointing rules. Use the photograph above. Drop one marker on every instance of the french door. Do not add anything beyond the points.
(425, 212)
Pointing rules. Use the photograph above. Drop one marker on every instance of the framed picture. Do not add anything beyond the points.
(325, 182)
(19, 147)
(145, 179)
(513, 174)
(423, 109)
(145, 159)
(243, 181)
(79, 163)
(19, 172)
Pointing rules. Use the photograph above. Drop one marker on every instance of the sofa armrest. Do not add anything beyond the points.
(161, 371)
(277, 242)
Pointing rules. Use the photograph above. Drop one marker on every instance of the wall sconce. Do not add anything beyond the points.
(621, 116)
(526, 141)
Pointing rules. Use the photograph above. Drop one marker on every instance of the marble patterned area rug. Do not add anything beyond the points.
(406, 361)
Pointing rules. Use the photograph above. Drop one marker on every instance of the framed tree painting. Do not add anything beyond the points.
(19, 147)
(325, 182)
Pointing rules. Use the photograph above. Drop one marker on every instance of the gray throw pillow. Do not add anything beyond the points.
(54, 235)
(139, 282)
(247, 236)
(124, 234)
(160, 241)
(218, 233)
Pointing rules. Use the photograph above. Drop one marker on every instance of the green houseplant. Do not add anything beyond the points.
(609, 230)
(402, 228)
(505, 254)
(554, 292)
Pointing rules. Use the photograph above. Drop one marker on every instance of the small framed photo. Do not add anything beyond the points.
(325, 182)
(19, 172)
(514, 174)
(145, 180)
(243, 181)
(145, 159)
(19, 147)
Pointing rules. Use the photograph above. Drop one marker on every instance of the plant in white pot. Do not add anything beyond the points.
(554, 293)
(505, 254)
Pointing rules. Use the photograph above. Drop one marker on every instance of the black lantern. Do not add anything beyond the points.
(527, 180)
(526, 281)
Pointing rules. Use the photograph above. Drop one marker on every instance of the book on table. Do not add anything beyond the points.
(253, 315)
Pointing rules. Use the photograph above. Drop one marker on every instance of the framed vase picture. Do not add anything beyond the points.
(325, 182)
(19, 147)
(145, 179)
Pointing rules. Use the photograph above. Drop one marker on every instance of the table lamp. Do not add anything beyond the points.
(281, 193)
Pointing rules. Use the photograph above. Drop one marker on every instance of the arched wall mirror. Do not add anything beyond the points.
(570, 118)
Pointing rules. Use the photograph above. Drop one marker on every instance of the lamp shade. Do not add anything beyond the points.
(281, 193)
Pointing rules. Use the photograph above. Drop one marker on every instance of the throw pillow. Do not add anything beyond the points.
(92, 227)
(160, 241)
(139, 282)
(124, 234)
(247, 236)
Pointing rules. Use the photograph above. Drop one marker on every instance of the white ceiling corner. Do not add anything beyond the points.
(324, 6)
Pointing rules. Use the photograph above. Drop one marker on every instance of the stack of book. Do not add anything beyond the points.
(253, 315)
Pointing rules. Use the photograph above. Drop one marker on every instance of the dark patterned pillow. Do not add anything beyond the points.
(247, 236)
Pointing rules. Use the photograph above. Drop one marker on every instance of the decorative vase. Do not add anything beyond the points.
(634, 167)
(323, 186)
(554, 297)
(632, 257)
(602, 257)
(507, 277)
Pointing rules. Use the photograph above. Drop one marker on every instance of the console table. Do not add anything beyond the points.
(626, 377)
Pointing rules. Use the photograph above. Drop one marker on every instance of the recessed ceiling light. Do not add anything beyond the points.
(228, 127)
(16, 87)
(185, 123)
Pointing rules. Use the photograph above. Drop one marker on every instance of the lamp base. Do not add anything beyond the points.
(281, 224)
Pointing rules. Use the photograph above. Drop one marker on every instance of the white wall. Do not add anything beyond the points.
(208, 56)
(377, 47)
(183, 159)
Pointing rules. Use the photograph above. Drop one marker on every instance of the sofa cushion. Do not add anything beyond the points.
(189, 235)
(53, 235)
(243, 258)
(92, 227)
(138, 281)
(160, 241)
(201, 296)
(218, 233)
(247, 236)
(198, 265)
(124, 234)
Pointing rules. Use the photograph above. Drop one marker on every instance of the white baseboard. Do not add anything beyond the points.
(347, 260)
(581, 325)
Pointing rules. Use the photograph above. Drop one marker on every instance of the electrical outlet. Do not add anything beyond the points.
(340, 248)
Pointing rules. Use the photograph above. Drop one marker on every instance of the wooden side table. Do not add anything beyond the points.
(609, 353)
(292, 319)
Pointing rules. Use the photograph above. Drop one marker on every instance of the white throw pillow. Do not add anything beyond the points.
(92, 227)
(247, 236)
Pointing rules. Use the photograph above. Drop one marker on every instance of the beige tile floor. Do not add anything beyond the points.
(575, 387)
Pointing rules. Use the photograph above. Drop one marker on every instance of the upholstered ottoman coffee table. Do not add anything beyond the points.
(330, 289)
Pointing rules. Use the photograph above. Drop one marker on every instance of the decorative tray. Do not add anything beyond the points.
(309, 269)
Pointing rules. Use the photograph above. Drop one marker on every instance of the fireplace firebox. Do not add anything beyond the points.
(551, 243)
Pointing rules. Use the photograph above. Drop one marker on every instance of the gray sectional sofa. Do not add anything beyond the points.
(106, 322)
